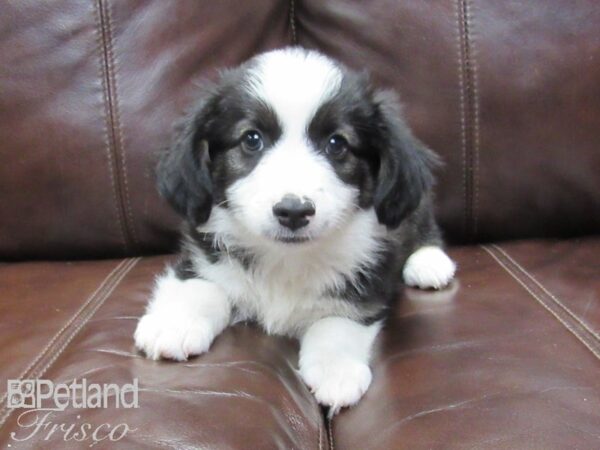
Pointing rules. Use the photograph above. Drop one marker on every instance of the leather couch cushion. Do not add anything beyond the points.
(42, 303)
(506, 92)
(565, 274)
(506, 358)
(89, 92)
(245, 393)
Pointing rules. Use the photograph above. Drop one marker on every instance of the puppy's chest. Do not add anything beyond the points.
(283, 300)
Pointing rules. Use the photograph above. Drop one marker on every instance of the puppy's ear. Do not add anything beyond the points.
(405, 164)
(183, 174)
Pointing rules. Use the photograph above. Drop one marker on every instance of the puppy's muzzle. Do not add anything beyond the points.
(293, 212)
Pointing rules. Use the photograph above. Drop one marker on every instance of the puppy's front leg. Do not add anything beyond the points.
(334, 360)
(182, 318)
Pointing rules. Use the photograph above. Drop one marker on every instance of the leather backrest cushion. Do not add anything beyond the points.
(508, 93)
(89, 92)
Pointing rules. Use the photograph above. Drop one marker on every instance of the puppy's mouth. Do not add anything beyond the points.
(292, 239)
(280, 235)
(289, 237)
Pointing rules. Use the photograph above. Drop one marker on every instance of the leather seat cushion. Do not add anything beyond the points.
(508, 357)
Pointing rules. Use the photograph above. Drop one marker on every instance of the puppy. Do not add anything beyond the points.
(307, 200)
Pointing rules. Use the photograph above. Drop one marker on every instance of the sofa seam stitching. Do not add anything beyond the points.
(547, 292)
(462, 107)
(562, 320)
(120, 148)
(330, 434)
(320, 432)
(469, 112)
(99, 28)
(292, 20)
(468, 118)
(36, 372)
(475, 112)
(100, 299)
(557, 316)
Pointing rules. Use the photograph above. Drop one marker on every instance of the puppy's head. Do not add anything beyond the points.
(289, 147)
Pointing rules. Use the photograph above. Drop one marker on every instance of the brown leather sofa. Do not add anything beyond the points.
(507, 92)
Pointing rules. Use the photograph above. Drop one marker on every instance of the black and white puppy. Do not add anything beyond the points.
(307, 199)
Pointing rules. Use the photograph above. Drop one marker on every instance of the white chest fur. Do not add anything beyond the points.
(287, 287)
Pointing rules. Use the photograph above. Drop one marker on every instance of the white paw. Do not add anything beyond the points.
(429, 267)
(173, 338)
(182, 319)
(336, 381)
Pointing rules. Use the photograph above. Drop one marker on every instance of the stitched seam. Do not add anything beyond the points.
(547, 292)
(562, 320)
(330, 434)
(541, 302)
(475, 106)
(469, 127)
(24, 373)
(293, 22)
(107, 122)
(461, 90)
(120, 147)
(96, 302)
(320, 422)
(101, 299)
(469, 112)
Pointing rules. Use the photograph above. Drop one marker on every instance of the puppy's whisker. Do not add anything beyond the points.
(224, 202)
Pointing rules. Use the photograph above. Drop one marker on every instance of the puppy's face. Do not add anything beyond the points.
(290, 146)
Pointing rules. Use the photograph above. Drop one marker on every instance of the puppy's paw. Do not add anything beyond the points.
(336, 381)
(173, 338)
(182, 318)
(429, 267)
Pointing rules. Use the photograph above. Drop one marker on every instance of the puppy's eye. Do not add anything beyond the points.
(337, 146)
(252, 141)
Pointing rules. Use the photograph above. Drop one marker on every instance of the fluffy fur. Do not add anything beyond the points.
(306, 198)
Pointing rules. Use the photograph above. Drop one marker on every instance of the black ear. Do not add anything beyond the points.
(405, 164)
(183, 171)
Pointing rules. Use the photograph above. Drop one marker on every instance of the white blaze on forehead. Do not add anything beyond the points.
(294, 82)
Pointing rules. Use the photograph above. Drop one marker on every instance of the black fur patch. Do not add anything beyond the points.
(373, 288)
(387, 164)
(205, 242)
(184, 269)
(206, 155)
(348, 113)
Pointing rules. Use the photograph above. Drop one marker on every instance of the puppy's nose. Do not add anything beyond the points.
(292, 212)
